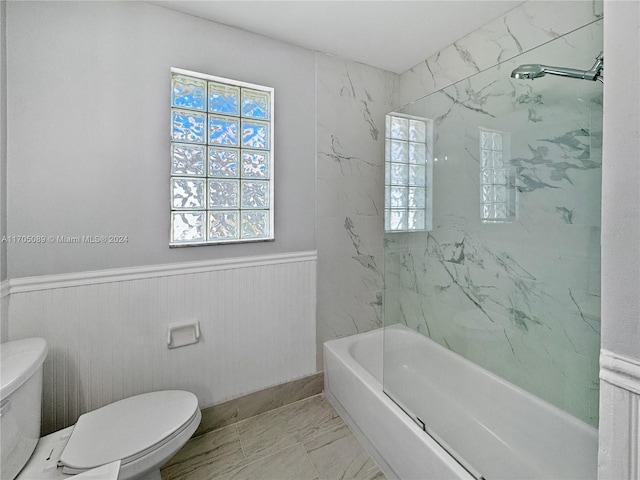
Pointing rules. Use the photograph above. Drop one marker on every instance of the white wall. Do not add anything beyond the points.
(619, 455)
(3, 141)
(621, 181)
(88, 132)
(88, 89)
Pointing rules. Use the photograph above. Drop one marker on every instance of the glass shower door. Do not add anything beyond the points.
(509, 275)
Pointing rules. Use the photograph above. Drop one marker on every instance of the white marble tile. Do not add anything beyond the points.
(519, 298)
(525, 27)
(352, 102)
(475, 287)
(350, 315)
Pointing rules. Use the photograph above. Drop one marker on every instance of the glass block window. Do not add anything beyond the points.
(497, 178)
(408, 172)
(221, 157)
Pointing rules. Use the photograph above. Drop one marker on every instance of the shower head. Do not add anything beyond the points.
(528, 71)
(531, 71)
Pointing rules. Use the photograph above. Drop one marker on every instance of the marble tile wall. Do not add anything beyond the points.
(522, 298)
(527, 26)
(352, 100)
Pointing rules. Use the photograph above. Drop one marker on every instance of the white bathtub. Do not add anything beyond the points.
(503, 431)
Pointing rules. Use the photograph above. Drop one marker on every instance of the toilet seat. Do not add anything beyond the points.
(128, 429)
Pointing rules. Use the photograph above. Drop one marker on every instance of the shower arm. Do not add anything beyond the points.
(594, 73)
(532, 71)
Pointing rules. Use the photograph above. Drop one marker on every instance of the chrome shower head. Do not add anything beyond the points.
(531, 71)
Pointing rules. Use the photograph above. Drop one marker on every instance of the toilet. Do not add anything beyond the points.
(128, 439)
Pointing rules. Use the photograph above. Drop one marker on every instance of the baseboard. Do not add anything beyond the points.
(247, 406)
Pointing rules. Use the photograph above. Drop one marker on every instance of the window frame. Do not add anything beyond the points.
(207, 178)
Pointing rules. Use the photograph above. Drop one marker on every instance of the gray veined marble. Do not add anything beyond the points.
(466, 57)
(352, 102)
(367, 261)
(565, 213)
(525, 27)
(552, 215)
(519, 295)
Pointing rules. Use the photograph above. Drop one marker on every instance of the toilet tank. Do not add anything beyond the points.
(20, 401)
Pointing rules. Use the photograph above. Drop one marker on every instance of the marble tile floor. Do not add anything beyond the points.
(305, 440)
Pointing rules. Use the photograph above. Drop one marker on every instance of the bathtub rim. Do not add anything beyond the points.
(341, 349)
(504, 383)
(334, 349)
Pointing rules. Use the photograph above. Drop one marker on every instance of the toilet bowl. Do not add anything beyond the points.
(135, 435)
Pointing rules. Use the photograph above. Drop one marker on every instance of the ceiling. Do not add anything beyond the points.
(394, 35)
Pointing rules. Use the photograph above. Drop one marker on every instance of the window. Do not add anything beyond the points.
(408, 171)
(221, 160)
(497, 178)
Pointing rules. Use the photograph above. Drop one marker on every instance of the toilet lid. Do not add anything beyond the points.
(127, 428)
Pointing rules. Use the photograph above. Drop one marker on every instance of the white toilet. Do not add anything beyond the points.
(128, 439)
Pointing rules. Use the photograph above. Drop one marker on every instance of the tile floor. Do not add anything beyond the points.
(306, 440)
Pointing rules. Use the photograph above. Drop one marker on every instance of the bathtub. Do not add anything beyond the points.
(500, 430)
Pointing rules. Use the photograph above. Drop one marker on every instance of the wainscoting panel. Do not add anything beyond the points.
(619, 435)
(107, 331)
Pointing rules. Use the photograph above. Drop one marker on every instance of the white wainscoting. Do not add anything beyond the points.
(619, 434)
(107, 330)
